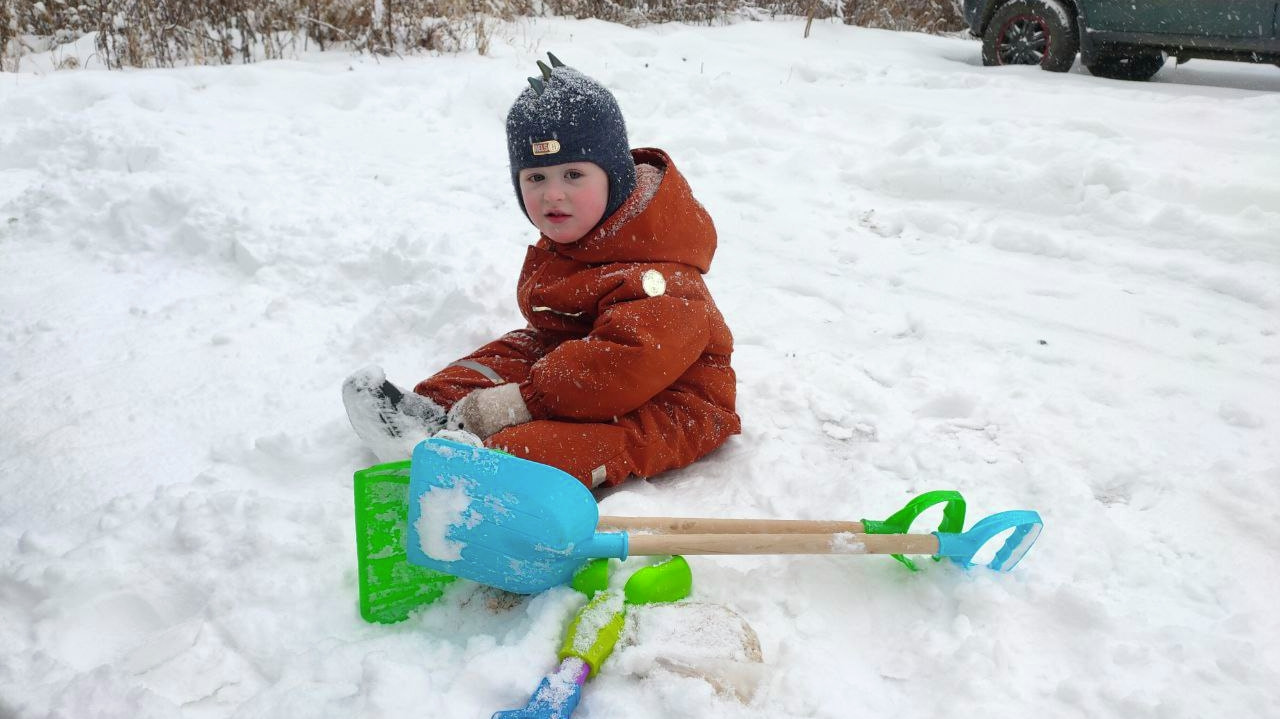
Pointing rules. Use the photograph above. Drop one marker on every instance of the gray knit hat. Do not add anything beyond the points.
(565, 116)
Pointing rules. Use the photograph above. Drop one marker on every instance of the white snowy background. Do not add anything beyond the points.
(1048, 291)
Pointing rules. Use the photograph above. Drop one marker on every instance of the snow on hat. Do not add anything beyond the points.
(565, 116)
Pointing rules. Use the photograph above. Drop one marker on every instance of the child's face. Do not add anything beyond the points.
(565, 201)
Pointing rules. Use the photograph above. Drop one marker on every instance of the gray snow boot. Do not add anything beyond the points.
(390, 421)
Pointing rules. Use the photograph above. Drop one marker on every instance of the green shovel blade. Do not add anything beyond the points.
(390, 587)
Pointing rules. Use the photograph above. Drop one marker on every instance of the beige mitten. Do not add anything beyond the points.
(489, 410)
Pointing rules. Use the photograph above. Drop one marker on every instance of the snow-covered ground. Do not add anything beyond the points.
(1052, 292)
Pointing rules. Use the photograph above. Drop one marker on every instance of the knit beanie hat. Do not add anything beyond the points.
(565, 116)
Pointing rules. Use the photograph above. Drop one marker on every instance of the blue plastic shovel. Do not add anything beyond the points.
(526, 527)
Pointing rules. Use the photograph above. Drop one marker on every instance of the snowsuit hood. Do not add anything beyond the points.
(660, 221)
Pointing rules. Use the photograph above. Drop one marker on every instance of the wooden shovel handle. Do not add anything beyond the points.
(835, 543)
(705, 525)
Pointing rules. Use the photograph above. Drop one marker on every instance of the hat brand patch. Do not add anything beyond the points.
(546, 147)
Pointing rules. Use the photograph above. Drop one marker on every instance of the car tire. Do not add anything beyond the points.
(1031, 32)
(1127, 64)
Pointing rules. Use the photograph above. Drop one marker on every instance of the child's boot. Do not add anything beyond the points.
(389, 420)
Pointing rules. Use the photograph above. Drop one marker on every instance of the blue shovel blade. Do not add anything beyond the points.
(500, 520)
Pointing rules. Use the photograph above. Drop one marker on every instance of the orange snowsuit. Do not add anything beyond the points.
(625, 363)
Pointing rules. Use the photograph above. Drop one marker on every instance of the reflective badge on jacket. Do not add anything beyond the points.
(655, 285)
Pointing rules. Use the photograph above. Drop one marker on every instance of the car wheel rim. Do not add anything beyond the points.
(1024, 40)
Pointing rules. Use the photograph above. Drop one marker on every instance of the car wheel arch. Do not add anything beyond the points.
(994, 6)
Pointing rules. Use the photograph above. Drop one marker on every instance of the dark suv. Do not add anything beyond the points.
(1123, 39)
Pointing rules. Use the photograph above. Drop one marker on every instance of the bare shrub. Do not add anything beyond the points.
(928, 15)
(8, 29)
(164, 33)
(935, 16)
(702, 12)
(28, 26)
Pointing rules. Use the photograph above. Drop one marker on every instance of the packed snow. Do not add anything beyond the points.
(1048, 291)
(441, 510)
(594, 617)
(847, 543)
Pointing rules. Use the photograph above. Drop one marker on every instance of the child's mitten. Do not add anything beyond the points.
(489, 410)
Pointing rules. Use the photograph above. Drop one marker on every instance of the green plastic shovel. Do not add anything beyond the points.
(390, 587)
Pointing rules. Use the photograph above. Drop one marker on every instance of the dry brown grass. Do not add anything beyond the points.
(164, 33)
(935, 16)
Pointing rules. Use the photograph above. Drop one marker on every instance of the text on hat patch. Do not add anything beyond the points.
(546, 147)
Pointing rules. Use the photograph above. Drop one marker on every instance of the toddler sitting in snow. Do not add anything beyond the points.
(624, 367)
